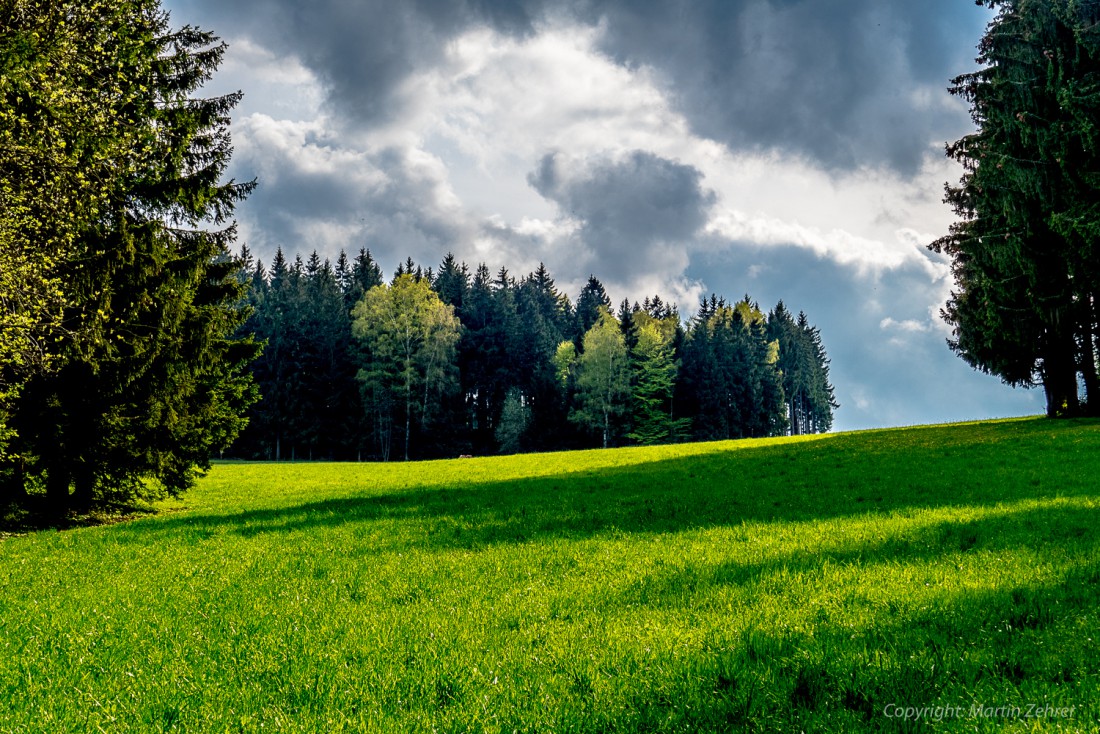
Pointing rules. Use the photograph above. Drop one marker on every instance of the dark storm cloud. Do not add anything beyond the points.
(314, 194)
(361, 49)
(843, 82)
(836, 80)
(635, 213)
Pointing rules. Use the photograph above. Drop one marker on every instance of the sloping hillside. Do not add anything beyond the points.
(840, 583)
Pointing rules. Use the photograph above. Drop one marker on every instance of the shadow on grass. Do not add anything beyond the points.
(846, 475)
(34, 513)
(1069, 528)
(988, 655)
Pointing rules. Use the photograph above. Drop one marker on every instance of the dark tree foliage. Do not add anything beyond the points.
(805, 372)
(484, 361)
(544, 317)
(731, 385)
(1024, 251)
(311, 406)
(626, 323)
(517, 381)
(150, 383)
(452, 282)
(592, 298)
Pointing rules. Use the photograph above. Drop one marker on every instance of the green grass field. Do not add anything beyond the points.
(820, 584)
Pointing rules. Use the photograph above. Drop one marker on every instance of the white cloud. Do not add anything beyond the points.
(909, 325)
(867, 256)
(476, 124)
(415, 135)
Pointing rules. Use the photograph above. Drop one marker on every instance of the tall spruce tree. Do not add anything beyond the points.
(544, 317)
(592, 298)
(149, 383)
(484, 362)
(1023, 252)
(654, 382)
(329, 391)
(804, 367)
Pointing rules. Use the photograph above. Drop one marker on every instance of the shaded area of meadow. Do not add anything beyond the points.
(838, 476)
(759, 586)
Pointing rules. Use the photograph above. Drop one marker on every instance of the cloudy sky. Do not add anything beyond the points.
(787, 149)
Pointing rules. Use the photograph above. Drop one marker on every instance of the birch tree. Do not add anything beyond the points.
(408, 337)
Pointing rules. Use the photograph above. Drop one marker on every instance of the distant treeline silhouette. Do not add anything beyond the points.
(445, 362)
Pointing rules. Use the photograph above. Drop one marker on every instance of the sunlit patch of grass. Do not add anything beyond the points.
(798, 584)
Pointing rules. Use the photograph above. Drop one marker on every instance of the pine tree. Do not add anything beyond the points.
(591, 300)
(1023, 252)
(152, 382)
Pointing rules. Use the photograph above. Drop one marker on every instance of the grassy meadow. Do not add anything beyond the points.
(814, 584)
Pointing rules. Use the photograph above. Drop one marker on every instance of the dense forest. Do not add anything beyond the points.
(447, 361)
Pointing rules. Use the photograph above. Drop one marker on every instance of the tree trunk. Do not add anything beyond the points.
(83, 486)
(14, 491)
(1060, 372)
(1088, 357)
(57, 491)
(796, 424)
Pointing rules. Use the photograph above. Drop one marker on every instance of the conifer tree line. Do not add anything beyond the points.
(449, 361)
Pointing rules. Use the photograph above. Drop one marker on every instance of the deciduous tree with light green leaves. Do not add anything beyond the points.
(408, 336)
(59, 145)
(603, 378)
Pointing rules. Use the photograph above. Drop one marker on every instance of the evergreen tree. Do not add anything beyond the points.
(62, 151)
(343, 273)
(804, 367)
(627, 324)
(151, 382)
(591, 300)
(543, 320)
(1023, 254)
(365, 274)
(655, 372)
(275, 371)
(327, 375)
(731, 383)
(452, 282)
(483, 357)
